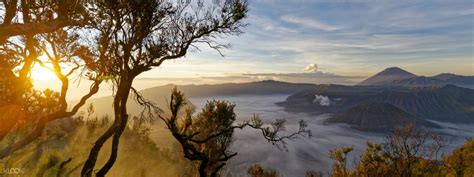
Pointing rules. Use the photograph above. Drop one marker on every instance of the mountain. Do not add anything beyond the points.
(446, 103)
(395, 76)
(463, 81)
(446, 78)
(442, 102)
(160, 95)
(387, 76)
(417, 81)
(266, 87)
(340, 98)
(378, 117)
(453, 77)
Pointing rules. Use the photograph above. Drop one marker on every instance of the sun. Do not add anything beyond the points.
(39, 73)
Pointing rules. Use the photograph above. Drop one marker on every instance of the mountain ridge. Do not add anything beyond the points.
(387, 75)
(378, 117)
(447, 103)
(441, 102)
(395, 76)
(161, 94)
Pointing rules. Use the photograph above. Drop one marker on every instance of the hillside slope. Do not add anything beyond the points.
(387, 76)
(395, 76)
(447, 103)
(161, 95)
(379, 117)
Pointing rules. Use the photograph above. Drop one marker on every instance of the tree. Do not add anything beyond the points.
(46, 157)
(374, 161)
(11, 91)
(140, 35)
(258, 170)
(461, 161)
(313, 173)
(207, 137)
(407, 151)
(339, 168)
(53, 15)
(61, 47)
(407, 146)
(46, 106)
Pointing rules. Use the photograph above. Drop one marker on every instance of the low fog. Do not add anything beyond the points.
(303, 153)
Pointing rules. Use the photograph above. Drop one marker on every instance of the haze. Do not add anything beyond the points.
(339, 42)
(237, 88)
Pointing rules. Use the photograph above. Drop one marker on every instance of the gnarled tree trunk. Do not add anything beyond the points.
(116, 130)
(120, 127)
(202, 168)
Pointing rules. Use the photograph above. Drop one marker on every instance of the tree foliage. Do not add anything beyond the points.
(461, 161)
(19, 54)
(60, 151)
(207, 137)
(339, 167)
(136, 36)
(48, 16)
(258, 170)
(102, 40)
(406, 152)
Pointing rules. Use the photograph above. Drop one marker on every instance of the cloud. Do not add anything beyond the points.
(422, 36)
(311, 68)
(322, 100)
(359, 38)
(308, 22)
(267, 24)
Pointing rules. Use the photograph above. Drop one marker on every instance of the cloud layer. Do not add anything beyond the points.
(357, 37)
(349, 38)
(378, 34)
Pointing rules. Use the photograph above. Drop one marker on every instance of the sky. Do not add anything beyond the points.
(333, 41)
(343, 37)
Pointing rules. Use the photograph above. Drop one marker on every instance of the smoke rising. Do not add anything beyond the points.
(322, 100)
(311, 68)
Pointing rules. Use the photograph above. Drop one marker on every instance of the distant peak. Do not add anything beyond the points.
(394, 68)
(395, 71)
(387, 76)
(448, 74)
(269, 81)
(445, 75)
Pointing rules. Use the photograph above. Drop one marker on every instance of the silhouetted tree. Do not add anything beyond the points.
(22, 52)
(141, 35)
(207, 137)
(48, 17)
(11, 91)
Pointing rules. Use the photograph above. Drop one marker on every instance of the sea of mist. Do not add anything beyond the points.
(303, 153)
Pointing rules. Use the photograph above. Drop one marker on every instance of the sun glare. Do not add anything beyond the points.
(39, 73)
